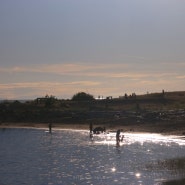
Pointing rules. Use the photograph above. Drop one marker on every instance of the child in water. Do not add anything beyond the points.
(118, 137)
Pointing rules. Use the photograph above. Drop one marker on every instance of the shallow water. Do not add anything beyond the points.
(35, 157)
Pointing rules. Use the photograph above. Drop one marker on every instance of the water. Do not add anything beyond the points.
(35, 157)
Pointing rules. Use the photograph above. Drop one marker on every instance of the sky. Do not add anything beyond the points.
(101, 47)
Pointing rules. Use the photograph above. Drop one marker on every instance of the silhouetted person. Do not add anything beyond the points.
(121, 139)
(91, 131)
(50, 127)
(91, 127)
(118, 136)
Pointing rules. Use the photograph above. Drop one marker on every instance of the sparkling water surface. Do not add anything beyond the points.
(36, 157)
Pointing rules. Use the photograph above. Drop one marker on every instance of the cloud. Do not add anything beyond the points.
(62, 68)
(42, 88)
(85, 83)
(181, 77)
(46, 84)
(67, 79)
(87, 70)
(127, 75)
(11, 69)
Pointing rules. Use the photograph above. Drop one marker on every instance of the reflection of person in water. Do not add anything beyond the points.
(91, 136)
(50, 127)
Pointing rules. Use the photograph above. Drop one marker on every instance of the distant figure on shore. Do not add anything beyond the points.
(118, 136)
(50, 127)
(91, 127)
(91, 131)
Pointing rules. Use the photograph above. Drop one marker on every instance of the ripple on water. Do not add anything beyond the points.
(32, 156)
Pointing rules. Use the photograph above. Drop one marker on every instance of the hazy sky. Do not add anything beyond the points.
(102, 47)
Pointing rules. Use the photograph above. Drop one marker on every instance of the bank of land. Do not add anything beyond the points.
(157, 112)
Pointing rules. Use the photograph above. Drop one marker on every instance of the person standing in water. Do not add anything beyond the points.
(118, 136)
(50, 127)
(91, 131)
(91, 127)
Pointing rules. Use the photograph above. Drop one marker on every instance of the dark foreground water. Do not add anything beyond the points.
(66, 157)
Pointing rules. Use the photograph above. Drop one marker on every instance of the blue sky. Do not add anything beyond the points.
(102, 47)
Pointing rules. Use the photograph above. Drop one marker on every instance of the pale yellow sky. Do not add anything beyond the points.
(64, 80)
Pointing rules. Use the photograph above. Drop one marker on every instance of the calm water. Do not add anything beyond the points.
(35, 157)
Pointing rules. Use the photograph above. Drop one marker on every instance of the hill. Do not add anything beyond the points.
(163, 112)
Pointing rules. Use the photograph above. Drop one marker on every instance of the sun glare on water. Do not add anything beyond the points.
(130, 138)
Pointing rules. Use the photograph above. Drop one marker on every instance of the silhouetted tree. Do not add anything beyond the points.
(49, 100)
(82, 96)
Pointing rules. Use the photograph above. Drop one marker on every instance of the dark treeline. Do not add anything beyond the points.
(83, 108)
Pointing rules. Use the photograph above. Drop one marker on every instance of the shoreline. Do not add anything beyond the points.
(158, 128)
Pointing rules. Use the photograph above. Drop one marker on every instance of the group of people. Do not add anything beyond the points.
(119, 137)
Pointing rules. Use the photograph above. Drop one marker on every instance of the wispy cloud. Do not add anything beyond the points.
(62, 69)
(181, 77)
(46, 85)
(88, 70)
(67, 79)
(42, 88)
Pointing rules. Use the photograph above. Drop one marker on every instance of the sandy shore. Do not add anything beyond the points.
(164, 128)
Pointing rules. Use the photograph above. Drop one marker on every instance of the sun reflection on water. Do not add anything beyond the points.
(130, 138)
(138, 175)
(70, 157)
(113, 169)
